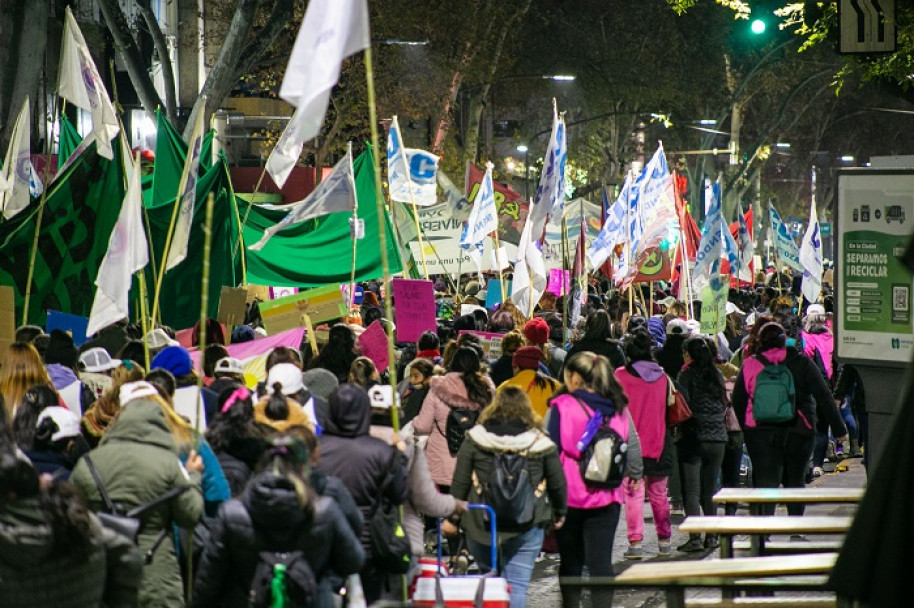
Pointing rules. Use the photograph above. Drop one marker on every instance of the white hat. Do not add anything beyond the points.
(733, 308)
(677, 326)
(98, 360)
(67, 422)
(750, 320)
(815, 309)
(694, 326)
(136, 390)
(288, 375)
(228, 365)
(157, 338)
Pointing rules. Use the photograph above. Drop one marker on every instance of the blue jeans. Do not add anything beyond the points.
(518, 556)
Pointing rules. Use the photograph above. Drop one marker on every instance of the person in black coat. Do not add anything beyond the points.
(236, 439)
(362, 463)
(279, 512)
(597, 340)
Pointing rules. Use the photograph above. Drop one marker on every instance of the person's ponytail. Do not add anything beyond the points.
(277, 407)
(597, 373)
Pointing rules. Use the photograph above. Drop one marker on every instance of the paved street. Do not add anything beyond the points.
(544, 589)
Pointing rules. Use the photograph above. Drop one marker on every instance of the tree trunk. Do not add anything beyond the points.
(282, 13)
(471, 142)
(130, 55)
(221, 78)
(28, 68)
(168, 74)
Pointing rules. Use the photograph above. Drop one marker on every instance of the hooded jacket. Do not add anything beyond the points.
(476, 455)
(445, 393)
(646, 386)
(360, 461)
(820, 340)
(270, 518)
(707, 405)
(137, 461)
(31, 574)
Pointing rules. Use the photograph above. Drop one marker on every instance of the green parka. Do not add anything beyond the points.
(137, 461)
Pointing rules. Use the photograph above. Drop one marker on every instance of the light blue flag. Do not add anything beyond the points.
(411, 173)
(784, 244)
(483, 219)
(811, 257)
(550, 193)
(612, 232)
(707, 259)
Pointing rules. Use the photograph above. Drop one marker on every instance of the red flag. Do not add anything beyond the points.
(691, 235)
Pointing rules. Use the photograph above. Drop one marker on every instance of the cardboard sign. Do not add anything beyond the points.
(72, 324)
(7, 318)
(491, 342)
(415, 308)
(559, 282)
(322, 304)
(232, 305)
(373, 344)
(257, 292)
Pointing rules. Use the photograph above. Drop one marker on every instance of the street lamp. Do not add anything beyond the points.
(560, 77)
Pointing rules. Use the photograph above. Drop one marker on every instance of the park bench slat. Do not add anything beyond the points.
(759, 524)
(683, 573)
(789, 495)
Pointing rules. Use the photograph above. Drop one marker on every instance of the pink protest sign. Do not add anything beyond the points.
(556, 285)
(415, 308)
(373, 344)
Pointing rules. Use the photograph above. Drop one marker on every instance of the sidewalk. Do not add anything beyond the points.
(544, 588)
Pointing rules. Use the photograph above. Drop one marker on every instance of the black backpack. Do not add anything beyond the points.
(603, 460)
(390, 547)
(459, 421)
(286, 573)
(509, 491)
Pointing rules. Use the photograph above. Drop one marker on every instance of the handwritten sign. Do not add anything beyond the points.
(714, 306)
(322, 304)
(559, 282)
(232, 303)
(415, 308)
(491, 342)
(71, 324)
(373, 344)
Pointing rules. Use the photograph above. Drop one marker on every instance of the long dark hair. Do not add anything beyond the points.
(339, 352)
(597, 327)
(706, 372)
(25, 421)
(233, 422)
(466, 362)
(597, 373)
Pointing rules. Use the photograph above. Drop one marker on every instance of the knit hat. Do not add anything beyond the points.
(228, 365)
(321, 382)
(537, 331)
(677, 327)
(243, 333)
(67, 422)
(288, 375)
(175, 359)
(136, 390)
(157, 338)
(98, 361)
(61, 349)
(527, 357)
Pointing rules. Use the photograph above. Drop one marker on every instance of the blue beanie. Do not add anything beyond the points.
(175, 359)
(658, 332)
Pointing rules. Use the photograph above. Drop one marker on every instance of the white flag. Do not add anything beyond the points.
(784, 245)
(707, 258)
(411, 173)
(612, 232)
(128, 253)
(187, 198)
(811, 257)
(18, 172)
(80, 84)
(529, 282)
(483, 218)
(746, 245)
(550, 194)
(331, 31)
(336, 193)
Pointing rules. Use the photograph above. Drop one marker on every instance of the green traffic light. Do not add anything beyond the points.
(758, 26)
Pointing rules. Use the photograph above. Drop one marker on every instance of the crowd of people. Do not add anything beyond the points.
(238, 489)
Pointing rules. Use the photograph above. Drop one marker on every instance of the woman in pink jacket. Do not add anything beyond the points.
(464, 387)
(586, 536)
(646, 386)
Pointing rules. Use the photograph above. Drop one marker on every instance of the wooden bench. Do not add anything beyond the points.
(759, 526)
(756, 497)
(765, 602)
(805, 572)
(782, 547)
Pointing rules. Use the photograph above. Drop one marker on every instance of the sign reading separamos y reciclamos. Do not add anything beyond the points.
(873, 297)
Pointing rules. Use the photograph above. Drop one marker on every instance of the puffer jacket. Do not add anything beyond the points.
(424, 497)
(269, 518)
(31, 574)
(137, 461)
(446, 392)
(476, 455)
(707, 405)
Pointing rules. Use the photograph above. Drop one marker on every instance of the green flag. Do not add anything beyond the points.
(69, 140)
(170, 153)
(319, 251)
(81, 209)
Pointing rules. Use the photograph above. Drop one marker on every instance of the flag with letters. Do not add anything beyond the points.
(784, 244)
(550, 194)
(811, 257)
(483, 219)
(707, 258)
(611, 234)
(411, 173)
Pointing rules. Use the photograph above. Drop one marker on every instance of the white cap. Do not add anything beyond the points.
(98, 360)
(228, 365)
(815, 309)
(732, 308)
(157, 338)
(288, 375)
(694, 326)
(750, 320)
(136, 390)
(67, 422)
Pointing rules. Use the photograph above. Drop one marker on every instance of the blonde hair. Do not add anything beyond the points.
(110, 402)
(511, 403)
(22, 369)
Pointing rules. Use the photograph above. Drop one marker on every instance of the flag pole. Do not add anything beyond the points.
(354, 233)
(247, 213)
(412, 198)
(41, 204)
(501, 278)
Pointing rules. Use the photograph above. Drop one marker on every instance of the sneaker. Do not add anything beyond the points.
(461, 564)
(817, 472)
(712, 541)
(693, 546)
(664, 548)
(634, 552)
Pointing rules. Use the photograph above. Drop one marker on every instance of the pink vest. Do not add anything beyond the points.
(573, 420)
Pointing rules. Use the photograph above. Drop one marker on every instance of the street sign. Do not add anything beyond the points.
(825, 228)
(867, 26)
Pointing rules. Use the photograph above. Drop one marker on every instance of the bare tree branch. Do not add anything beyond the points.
(168, 74)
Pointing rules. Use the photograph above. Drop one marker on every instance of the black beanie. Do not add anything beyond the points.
(61, 349)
